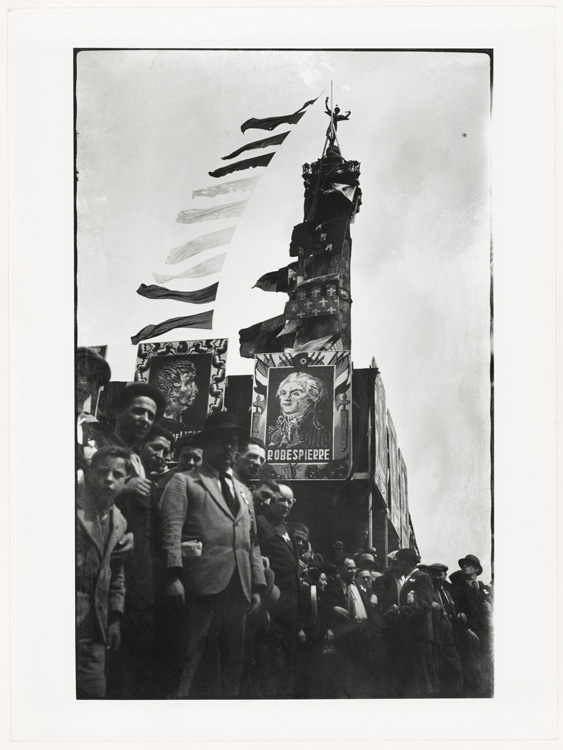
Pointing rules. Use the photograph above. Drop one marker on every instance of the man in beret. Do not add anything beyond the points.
(447, 666)
(474, 603)
(92, 372)
(213, 564)
(411, 623)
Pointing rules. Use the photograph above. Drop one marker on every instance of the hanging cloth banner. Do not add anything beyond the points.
(332, 342)
(325, 237)
(227, 211)
(246, 183)
(199, 297)
(269, 123)
(205, 268)
(312, 307)
(274, 140)
(205, 242)
(348, 191)
(281, 280)
(257, 161)
(261, 337)
(201, 320)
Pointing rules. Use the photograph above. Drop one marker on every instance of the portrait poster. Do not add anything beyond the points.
(302, 411)
(380, 443)
(191, 374)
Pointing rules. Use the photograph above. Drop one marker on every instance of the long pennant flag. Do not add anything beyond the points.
(205, 268)
(257, 161)
(273, 140)
(198, 297)
(200, 320)
(269, 123)
(246, 183)
(205, 242)
(226, 211)
(281, 280)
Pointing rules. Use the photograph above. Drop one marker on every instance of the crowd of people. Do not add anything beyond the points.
(193, 582)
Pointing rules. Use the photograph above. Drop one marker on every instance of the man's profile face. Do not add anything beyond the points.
(262, 497)
(107, 480)
(220, 449)
(293, 396)
(136, 419)
(154, 454)
(468, 569)
(189, 458)
(250, 461)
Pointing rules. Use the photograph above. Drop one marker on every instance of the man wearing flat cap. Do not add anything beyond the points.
(447, 666)
(473, 600)
(411, 624)
(92, 372)
(213, 565)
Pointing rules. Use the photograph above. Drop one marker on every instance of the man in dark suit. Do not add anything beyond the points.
(474, 602)
(213, 564)
(356, 630)
(279, 546)
(447, 666)
(412, 636)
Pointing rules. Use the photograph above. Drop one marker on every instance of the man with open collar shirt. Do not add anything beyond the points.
(213, 564)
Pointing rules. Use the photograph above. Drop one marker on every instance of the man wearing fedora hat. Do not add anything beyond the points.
(473, 600)
(213, 565)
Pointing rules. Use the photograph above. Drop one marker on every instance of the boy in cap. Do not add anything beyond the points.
(100, 587)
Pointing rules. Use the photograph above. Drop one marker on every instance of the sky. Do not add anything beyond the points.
(152, 123)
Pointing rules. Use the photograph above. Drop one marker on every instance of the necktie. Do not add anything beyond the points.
(351, 600)
(230, 499)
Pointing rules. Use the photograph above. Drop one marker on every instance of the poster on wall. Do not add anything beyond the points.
(394, 491)
(403, 492)
(191, 374)
(302, 411)
(380, 443)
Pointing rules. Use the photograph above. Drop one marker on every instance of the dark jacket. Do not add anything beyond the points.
(284, 561)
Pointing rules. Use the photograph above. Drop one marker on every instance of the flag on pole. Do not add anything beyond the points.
(205, 242)
(226, 211)
(205, 268)
(257, 161)
(269, 123)
(273, 140)
(332, 342)
(200, 320)
(198, 297)
(246, 183)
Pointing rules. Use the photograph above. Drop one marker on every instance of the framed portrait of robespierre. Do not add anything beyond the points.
(191, 374)
(302, 411)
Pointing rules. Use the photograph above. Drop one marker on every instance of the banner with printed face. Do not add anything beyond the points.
(394, 500)
(380, 442)
(191, 374)
(302, 411)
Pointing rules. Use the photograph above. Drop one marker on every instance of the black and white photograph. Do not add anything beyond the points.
(285, 296)
(380, 210)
